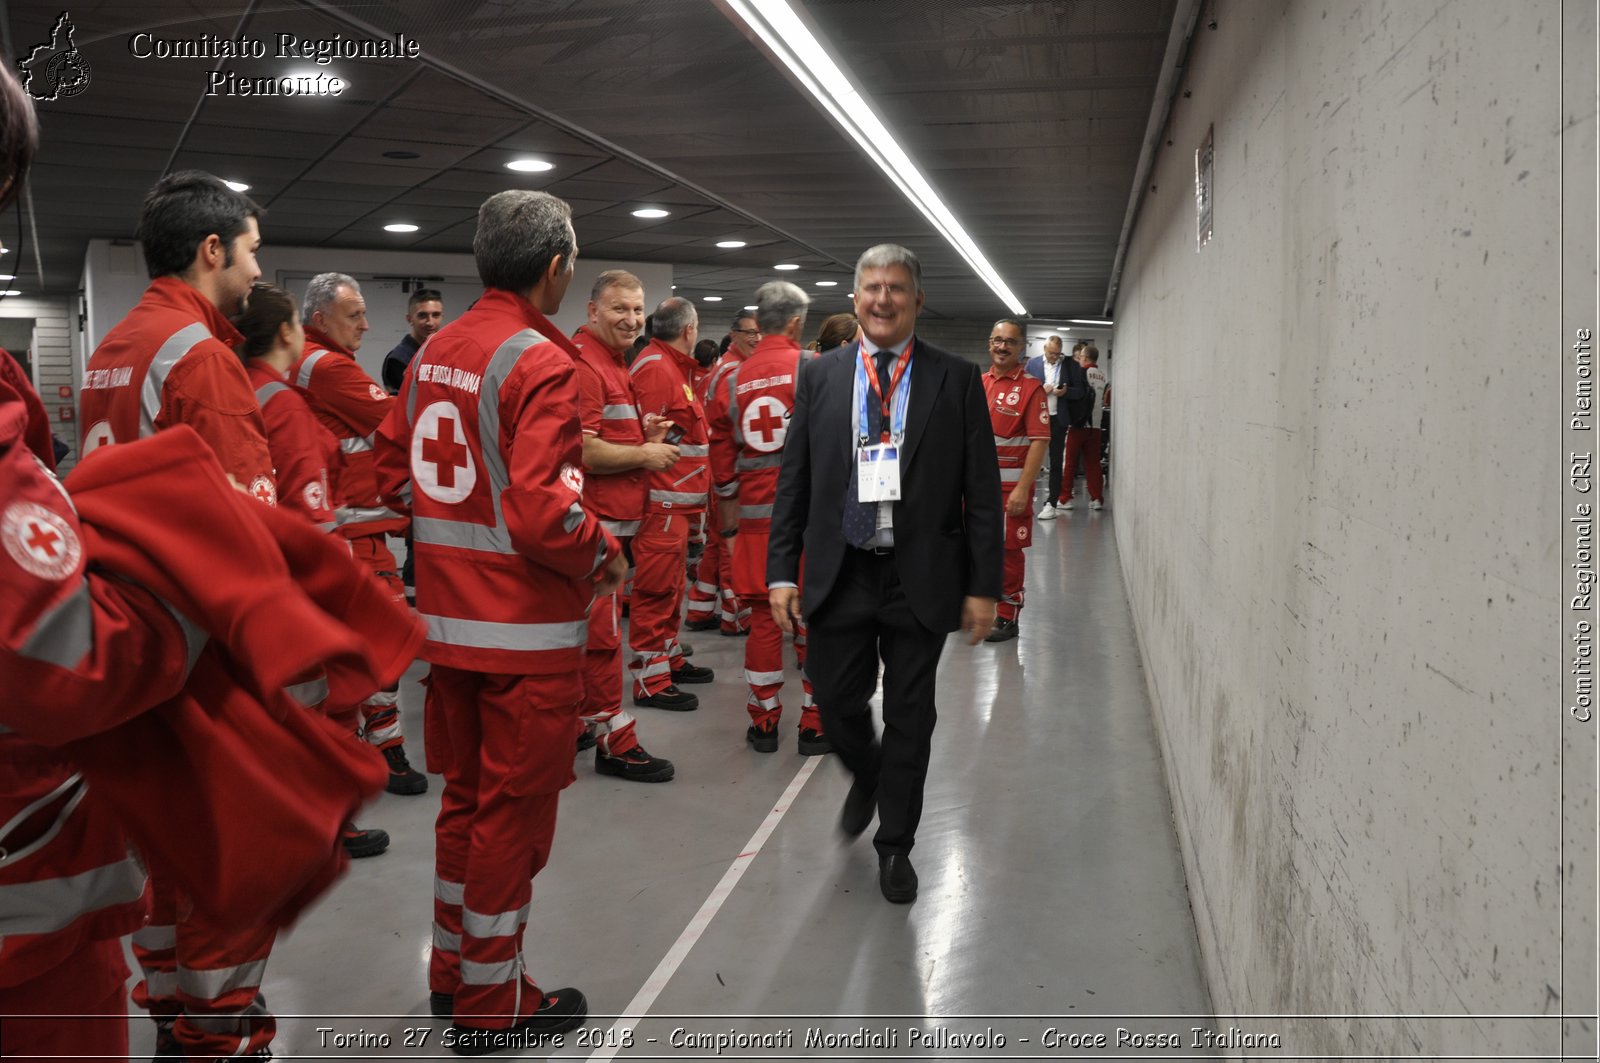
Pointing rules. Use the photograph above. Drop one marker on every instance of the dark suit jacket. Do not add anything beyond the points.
(949, 522)
(1074, 407)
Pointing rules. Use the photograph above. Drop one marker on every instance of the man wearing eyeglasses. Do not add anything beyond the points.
(1021, 422)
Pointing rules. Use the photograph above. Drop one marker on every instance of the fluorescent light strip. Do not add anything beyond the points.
(777, 25)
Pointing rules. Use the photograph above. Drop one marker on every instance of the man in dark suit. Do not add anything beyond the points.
(1065, 385)
(890, 574)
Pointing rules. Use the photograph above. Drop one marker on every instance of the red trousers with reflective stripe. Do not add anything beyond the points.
(1010, 604)
(507, 756)
(203, 977)
(380, 713)
(89, 986)
(653, 613)
(602, 680)
(763, 670)
(1085, 441)
(706, 590)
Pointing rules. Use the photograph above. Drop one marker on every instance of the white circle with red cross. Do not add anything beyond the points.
(441, 461)
(98, 435)
(263, 491)
(764, 424)
(40, 541)
(315, 495)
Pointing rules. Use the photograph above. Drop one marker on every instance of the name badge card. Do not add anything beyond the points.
(878, 473)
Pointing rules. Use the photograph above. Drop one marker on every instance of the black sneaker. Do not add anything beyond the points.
(701, 625)
(560, 1011)
(441, 1005)
(403, 778)
(1004, 631)
(692, 673)
(586, 738)
(670, 698)
(813, 743)
(635, 765)
(735, 632)
(167, 1046)
(762, 740)
(360, 843)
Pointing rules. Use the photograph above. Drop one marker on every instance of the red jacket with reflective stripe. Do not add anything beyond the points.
(661, 383)
(749, 414)
(352, 406)
(182, 344)
(1019, 416)
(486, 439)
(610, 412)
(303, 450)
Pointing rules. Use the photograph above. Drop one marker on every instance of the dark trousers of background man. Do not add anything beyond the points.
(866, 616)
(1058, 442)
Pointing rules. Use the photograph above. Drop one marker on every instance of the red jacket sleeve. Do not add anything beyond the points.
(543, 507)
(299, 445)
(345, 393)
(724, 451)
(591, 399)
(392, 452)
(1036, 415)
(38, 430)
(210, 392)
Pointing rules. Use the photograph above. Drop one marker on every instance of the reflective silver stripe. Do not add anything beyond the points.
(764, 461)
(64, 635)
(620, 412)
(764, 703)
(355, 445)
(161, 985)
(1010, 476)
(303, 378)
(490, 973)
(755, 512)
(496, 925)
(447, 891)
(694, 450)
(66, 787)
(621, 528)
(329, 526)
(573, 518)
(51, 904)
(763, 679)
(208, 985)
(1013, 441)
(168, 355)
(310, 693)
(678, 498)
(660, 667)
(733, 406)
(728, 490)
(269, 389)
(642, 362)
(487, 635)
(704, 588)
(461, 534)
(194, 638)
(156, 937)
(358, 515)
(444, 940)
(234, 1022)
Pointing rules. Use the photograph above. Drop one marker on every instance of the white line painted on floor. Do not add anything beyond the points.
(645, 999)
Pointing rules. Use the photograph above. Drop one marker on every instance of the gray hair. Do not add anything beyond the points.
(777, 302)
(520, 232)
(673, 318)
(740, 316)
(322, 291)
(884, 255)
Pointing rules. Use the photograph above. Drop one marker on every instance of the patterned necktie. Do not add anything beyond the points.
(860, 524)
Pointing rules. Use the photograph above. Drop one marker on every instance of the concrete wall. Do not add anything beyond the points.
(1337, 503)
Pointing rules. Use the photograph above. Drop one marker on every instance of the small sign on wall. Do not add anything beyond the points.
(1204, 181)
(65, 391)
(65, 413)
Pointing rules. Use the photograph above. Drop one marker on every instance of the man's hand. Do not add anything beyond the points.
(785, 602)
(611, 576)
(658, 456)
(656, 428)
(977, 617)
(1017, 501)
(728, 516)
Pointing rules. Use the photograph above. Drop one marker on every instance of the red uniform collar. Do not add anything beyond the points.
(180, 295)
(501, 301)
(779, 342)
(685, 362)
(583, 338)
(318, 340)
(1004, 376)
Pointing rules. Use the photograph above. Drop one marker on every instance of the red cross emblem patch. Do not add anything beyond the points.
(42, 542)
(764, 424)
(441, 462)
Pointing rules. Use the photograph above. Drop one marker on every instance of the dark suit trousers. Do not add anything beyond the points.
(866, 615)
(1058, 441)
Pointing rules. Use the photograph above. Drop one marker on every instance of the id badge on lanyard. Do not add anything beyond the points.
(878, 464)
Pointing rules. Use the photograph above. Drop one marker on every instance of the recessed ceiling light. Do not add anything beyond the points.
(1090, 321)
(711, 298)
(651, 212)
(402, 155)
(8, 276)
(851, 294)
(530, 165)
(827, 284)
(730, 243)
(786, 265)
(751, 306)
(11, 291)
(237, 186)
(400, 227)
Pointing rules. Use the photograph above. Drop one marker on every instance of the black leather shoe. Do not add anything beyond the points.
(635, 765)
(670, 698)
(813, 743)
(702, 625)
(897, 878)
(762, 741)
(403, 778)
(1004, 631)
(692, 673)
(441, 1005)
(359, 843)
(560, 1011)
(586, 738)
(859, 805)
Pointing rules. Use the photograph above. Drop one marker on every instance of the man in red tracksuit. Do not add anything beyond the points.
(661, 383)
(749, 415)
(618, 453)
(712, 603)
(352, 405)
(170, 362)
(486, 433)
(1021, 422)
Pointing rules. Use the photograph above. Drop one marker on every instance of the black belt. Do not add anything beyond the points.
(874, 551)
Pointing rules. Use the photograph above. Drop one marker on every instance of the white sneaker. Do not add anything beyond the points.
(1067, 504)
(1048, 512)
(1096, 504)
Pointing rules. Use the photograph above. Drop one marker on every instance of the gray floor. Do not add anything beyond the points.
(1052, 894)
